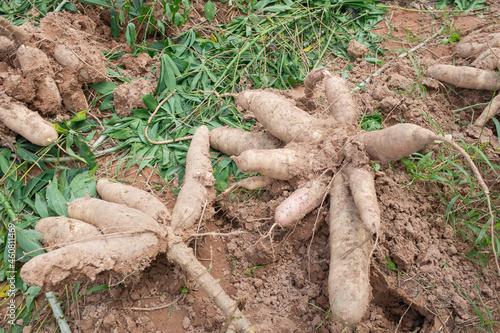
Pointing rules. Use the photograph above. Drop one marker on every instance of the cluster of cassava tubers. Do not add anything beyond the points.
(43, 69)
(122, 232)
(484, 73)
(316, 155)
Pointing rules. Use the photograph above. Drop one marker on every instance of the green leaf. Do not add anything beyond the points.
(168, 72)
(82, 185)
(104, 87)
(85, 151)
(79, 116)
(55, 199)
(41, 206)
(150, 101)
(130, 33)
(97, 288)
(28, 240)
(102, 3)
(209, 11)
(115, 26)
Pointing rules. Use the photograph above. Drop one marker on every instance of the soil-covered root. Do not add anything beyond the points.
(489, 59)
(25, 122)
(301, 202)
(6, 45)
(127, 240)
(197, 191)
(395, 142)
(362, 186)
(283, 119)
(234, 141)
(275, 163)
(349, 287)
(133, 197)
(61, 230)
(61, 63)
(491, 110)
(340, 101)
(110, 217)
(465, 77)
(121, 254)
(469, 47)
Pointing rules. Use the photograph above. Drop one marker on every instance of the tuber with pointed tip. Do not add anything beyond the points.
(349, 287)
(198, 186)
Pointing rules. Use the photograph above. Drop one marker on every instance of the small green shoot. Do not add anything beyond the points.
(371, 122)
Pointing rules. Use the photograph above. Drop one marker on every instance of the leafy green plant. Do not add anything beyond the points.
(19, 12)
(143, 15)
(462, 5)
(371, 122)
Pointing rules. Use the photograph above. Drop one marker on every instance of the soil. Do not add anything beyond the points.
(419, 272)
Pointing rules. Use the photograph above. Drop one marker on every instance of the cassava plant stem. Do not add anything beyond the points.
(182, 255)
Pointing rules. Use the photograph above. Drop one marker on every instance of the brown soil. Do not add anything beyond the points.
(282, 279)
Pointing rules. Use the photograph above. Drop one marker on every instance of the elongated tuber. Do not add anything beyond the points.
(274, 163)
(110, 217)
(340, 101)
(395, 142)
(491, 110)
(198, 186)
(234, 141)
(301, 202)
(362, 187)
(61, 230)
(133, 197)
(349, 288)
(122, 254)
(27, 123)
(282, 118)
(312, 79)
(468, 47)
(465, 77)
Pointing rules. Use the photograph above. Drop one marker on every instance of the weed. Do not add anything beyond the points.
(466, 208)
(487, 321)
(371, 122)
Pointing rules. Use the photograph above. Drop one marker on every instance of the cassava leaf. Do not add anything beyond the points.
(209, 10)
(28, 240)
(55, 199)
